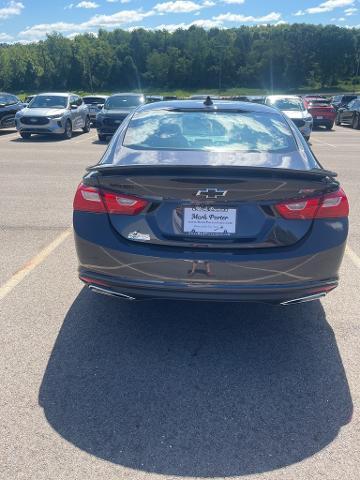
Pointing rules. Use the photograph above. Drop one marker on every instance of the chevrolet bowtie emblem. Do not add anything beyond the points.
(211, 193)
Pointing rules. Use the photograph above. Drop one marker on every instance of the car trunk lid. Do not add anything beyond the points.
(219, 207)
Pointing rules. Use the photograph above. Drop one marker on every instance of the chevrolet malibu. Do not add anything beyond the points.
(54, 114)
(208, 201)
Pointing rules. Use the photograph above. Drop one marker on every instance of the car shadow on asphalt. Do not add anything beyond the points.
(196, 389)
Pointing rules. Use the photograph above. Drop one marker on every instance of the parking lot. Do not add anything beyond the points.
(94, 388)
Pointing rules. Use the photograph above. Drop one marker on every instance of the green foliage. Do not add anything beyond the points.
(256, 59)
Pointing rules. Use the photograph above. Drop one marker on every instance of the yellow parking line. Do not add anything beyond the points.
(13, 281)
(354, 257)
(10, 135)
(86, 138)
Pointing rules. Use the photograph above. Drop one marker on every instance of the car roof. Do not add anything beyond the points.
(55, 94)
(95, 96)
(127, 95)
(279, 97)
(199, 105)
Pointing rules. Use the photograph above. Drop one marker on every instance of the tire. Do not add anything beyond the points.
(87, 125)
(337, 119)
(25, 135)
(356, 123)
(329, 126)
(68, 130)
(102, 138)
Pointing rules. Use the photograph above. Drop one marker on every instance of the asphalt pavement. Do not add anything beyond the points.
(93, 388)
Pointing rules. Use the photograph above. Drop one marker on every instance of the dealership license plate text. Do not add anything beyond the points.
(209, 221)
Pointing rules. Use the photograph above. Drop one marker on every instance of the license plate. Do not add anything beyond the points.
(319, 118)
(209, 221)
(93, 109)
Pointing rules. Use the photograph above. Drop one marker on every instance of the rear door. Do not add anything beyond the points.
(75, 112)
(347, 114)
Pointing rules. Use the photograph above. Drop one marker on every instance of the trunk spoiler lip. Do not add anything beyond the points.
(268, 171)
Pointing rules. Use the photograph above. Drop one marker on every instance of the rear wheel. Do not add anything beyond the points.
(87, 125)
(25, 135)
(102, 138)
(337, 119)
(68, 130)
(356, 122)
(329, 126)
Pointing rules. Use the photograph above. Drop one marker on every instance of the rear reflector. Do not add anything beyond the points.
(91, 199)
(331, 205)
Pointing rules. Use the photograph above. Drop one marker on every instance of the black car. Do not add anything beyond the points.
(116, 108)
(210, 201)
(339, 100)
(349, 114)
(95, 103)
(9, 106)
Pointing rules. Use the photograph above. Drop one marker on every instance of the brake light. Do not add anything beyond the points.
(91, 199)
(88, 199)
(331, 205)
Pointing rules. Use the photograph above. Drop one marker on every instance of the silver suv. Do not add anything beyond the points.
(53, 113)
(294, 108)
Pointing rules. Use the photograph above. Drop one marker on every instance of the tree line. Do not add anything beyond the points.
(269, 57)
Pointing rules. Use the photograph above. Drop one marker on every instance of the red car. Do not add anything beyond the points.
(322, 111)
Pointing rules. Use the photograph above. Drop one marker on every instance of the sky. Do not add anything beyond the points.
(30, 20)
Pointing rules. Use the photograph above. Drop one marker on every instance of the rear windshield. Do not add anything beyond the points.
(209, 131)
(123, 102)
(94, 100)
(49, 101)
(318, 101)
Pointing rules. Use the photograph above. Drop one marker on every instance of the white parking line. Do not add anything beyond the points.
(13, 281)
(322, 143)
(354, 257)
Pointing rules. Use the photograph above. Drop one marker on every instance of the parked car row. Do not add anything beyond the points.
(62, 113)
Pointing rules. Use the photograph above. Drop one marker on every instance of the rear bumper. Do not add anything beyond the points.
(323, 121)
(147, 271)
(275, 294)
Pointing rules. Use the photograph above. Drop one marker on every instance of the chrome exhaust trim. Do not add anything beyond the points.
(110, 293)
(308, 298)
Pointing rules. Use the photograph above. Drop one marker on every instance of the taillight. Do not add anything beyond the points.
(88, 199)
(331, 205)
(91, 199)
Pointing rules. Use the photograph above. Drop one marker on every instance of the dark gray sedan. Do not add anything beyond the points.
(210, 201)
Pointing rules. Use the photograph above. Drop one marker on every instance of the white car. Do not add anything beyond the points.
(54, 114)
(294, 108)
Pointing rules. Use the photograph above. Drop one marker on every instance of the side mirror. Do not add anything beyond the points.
(73, 106)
